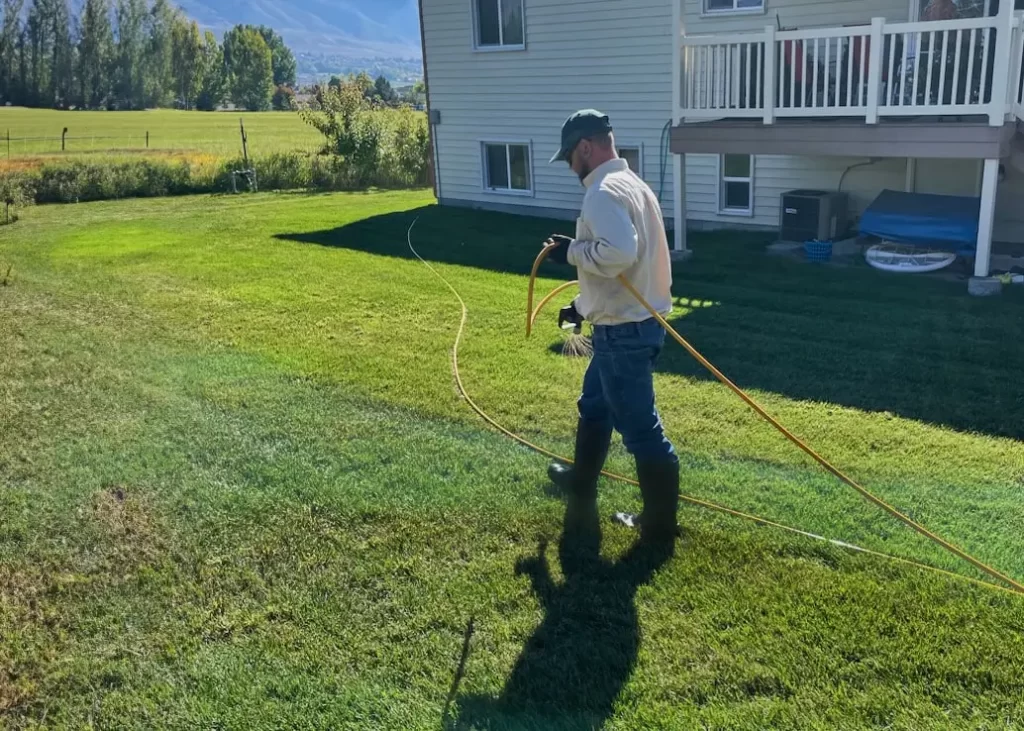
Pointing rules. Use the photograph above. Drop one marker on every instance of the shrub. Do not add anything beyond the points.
(283, 171)
(283, 99)
(75, 180)
(18, 186)
(387, 150)
(378, 146)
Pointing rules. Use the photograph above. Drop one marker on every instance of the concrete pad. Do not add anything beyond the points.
(846, 247)
(785, 247)
(984, 286)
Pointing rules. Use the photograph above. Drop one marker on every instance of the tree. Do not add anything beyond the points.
(157, 73)
(36, 36)
(335, 82)
(284, 99)
(281, 58)
(382, 90)
(133, 54)
(58, 20)
(95, 54)
(10, 42)
(187, 64)
(248, 61)
(23, 66)
(128, 72)
(214, 75)
(364, 83)
(335, 113)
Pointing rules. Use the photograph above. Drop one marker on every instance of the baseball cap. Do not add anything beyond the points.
(580, 125)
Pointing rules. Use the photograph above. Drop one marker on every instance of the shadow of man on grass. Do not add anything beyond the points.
(574, 665)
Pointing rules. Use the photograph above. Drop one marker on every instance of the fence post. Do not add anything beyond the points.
(875, 68)
(63, 137)
(147, 139)
(769, 74)
(8, 144)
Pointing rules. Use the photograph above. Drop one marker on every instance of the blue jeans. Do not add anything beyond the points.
(618, 388)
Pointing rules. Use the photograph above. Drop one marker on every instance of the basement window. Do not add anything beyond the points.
(736, 187)
(499, 25)
(733, 6)
(633, 158)
(507, 168)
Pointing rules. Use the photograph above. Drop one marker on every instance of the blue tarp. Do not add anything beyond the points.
(947, 222)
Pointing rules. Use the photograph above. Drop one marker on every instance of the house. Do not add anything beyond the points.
(723, 105)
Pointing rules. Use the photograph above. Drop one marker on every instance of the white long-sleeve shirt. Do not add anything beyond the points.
(620, 231)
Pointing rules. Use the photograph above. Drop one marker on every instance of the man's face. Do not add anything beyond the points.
(579, 160)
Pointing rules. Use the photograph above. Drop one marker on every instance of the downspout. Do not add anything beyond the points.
(435, 158)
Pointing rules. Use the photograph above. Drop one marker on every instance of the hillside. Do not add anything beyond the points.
(354, 28)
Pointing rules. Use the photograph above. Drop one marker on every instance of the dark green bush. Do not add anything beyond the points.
(18, 186)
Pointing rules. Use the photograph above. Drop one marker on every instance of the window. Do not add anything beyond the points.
(732, 6)
(507, 167)
(737, 184)
(951, 10)
(499, 24)
(633, 158)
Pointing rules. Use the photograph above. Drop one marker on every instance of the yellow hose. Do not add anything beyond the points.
(828, 466)
(531, 318)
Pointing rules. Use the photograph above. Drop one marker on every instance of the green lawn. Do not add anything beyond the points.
(207, 132)
(239, 490)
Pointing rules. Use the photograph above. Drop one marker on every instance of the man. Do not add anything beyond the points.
(620, 231)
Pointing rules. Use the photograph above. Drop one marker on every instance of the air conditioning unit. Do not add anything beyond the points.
(813, 214)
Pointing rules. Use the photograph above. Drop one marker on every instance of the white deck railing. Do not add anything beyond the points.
(883, 69)
(1016, 96)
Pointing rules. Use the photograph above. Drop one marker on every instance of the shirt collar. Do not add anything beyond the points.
(611, 166)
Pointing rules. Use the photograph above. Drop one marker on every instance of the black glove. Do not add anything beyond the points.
(559, 255)
(570, 315)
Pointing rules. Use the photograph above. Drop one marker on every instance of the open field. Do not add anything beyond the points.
(239, 490)
(199, 132)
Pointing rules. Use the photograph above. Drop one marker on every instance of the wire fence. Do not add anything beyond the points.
(14, 147)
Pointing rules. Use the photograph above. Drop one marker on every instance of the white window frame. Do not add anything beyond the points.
(502, 46)
(722, 180)
(640, 154)
(705, 11)
(528, 144)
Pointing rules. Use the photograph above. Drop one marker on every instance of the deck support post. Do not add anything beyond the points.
(986, 221)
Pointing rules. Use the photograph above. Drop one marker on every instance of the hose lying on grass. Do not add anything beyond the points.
(532, 313)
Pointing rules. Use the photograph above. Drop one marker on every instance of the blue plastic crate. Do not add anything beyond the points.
(818, 250)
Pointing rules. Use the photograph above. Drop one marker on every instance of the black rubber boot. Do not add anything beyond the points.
(580, 478)
(659, 488)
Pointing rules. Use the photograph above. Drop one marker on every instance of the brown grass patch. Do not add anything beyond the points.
(125, 519)
(29, 163)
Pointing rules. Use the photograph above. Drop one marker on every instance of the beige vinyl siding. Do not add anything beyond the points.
(949, 177)
(1010, 206)
(776, 174)
(615, 55)
(793, 14)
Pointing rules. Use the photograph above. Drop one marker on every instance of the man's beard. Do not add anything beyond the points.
(585, 171)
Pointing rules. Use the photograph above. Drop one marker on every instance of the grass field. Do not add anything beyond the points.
(238, 488)
(204, 132)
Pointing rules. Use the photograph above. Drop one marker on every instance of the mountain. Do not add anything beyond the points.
(346, 28)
